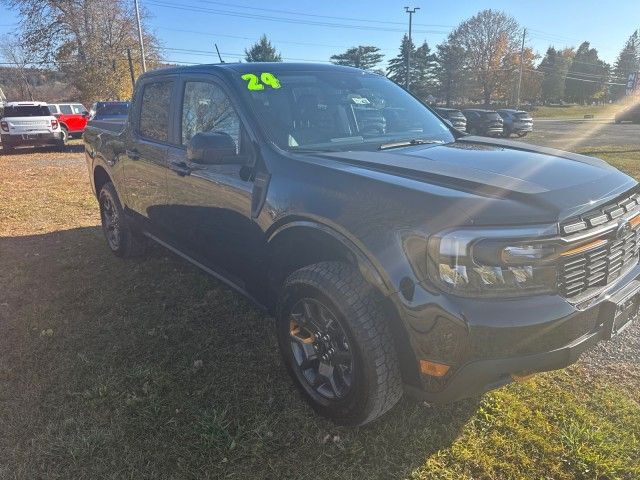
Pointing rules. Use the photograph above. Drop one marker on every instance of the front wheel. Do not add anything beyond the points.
(122, 239)
(336, 343)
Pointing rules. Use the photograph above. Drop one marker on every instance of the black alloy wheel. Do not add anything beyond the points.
(321, 349)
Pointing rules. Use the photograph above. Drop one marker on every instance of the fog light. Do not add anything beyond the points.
(434, 369)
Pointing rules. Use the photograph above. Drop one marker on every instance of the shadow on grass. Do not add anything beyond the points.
(609, 152)
(150, 369)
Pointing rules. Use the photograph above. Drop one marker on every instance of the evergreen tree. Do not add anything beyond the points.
(364, 56)
(628, 62)
(397, 69)
(554, 67)
(588, 76)
(423, 65)
(449, 71)
(262, 51)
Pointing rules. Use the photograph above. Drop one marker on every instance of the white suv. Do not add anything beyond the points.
(29, 124)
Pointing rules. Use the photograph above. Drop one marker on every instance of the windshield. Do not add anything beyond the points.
(27, 111)
(337, 110)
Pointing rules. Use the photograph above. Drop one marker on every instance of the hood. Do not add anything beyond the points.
(561, 183)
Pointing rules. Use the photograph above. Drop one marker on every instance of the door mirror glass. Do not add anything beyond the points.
(213, 148)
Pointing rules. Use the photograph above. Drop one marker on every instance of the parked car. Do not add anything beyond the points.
(483, 122)
(395, 252)
(457, 119)
(114, 112)
(29, 124)
(73, 118)
(516, 122)
(630, 114)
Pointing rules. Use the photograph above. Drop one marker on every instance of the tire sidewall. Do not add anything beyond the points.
(352, 408)
(108, 191)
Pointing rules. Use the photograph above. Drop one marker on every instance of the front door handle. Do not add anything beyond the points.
(133, 154)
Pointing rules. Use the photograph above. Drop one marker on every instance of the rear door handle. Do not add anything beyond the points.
(133, 154)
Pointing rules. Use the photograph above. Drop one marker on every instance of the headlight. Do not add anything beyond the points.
(494, 262)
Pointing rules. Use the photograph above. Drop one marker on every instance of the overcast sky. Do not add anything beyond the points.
(313, 31)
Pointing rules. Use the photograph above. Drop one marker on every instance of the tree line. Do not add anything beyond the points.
(479, 61)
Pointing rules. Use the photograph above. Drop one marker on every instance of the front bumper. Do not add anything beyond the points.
(32, 139)
(481, 376)
(488, 342)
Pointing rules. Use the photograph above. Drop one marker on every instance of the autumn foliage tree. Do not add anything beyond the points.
(491, 42)
(87, 40)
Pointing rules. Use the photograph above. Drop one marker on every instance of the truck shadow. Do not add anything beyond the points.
(155, 367)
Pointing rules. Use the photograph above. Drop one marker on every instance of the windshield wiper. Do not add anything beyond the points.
(407, 143)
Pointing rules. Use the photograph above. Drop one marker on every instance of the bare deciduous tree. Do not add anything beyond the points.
(87, 40)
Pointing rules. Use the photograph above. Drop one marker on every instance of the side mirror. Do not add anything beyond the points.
(85, 114)
(213, 148)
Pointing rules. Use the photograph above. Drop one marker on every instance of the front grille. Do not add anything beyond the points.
(599, 266)
(608, 212)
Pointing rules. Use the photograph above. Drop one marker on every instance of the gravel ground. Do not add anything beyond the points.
(624, 348)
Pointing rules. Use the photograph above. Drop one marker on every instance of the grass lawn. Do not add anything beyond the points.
(113, 369)
(576, 111)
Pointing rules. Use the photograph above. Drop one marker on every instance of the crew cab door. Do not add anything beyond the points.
(145, 158)
(211, 204)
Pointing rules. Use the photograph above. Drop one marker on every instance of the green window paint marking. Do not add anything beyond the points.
(253, 83)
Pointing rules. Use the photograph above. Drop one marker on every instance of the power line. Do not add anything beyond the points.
(302, 14)
(304, 44)
(283, 20)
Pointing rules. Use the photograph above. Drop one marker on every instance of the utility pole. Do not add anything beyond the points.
(131, 72)
(410, 12)
(144, 63)
(524, 35)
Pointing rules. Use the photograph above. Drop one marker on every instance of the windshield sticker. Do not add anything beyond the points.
(360, 100)
(253, 83)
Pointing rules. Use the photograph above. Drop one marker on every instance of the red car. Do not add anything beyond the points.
(73, 118)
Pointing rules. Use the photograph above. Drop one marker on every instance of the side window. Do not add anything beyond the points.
(206, 108)
(154, 111)
(66, 109)
(77, 109)
(53, 109)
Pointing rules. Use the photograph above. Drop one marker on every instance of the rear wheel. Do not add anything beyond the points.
(336, 343)
(121, 238)
(65, 135)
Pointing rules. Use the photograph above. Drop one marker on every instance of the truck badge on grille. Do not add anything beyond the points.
(624, 228)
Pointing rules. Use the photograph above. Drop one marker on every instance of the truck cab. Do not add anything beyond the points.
(396, 253)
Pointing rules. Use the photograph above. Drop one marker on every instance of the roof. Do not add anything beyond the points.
(25, 104)
(511, 110)
(481, 110)
(249, 67)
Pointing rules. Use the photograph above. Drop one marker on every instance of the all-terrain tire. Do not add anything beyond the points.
(357, 306)
(122, 239)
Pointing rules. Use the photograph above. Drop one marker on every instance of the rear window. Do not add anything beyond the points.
(27, 111)
(491, 115)
(112, 109)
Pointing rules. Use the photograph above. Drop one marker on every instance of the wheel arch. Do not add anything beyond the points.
(303, 242)
(100, 178)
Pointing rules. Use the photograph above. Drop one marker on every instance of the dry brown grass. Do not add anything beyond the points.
(113, 369)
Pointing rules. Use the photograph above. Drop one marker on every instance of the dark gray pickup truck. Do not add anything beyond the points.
(396, 253)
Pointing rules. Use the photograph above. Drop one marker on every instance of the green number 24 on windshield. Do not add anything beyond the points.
(253, 83)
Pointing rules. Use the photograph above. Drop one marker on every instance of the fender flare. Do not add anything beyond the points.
(367, 267)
